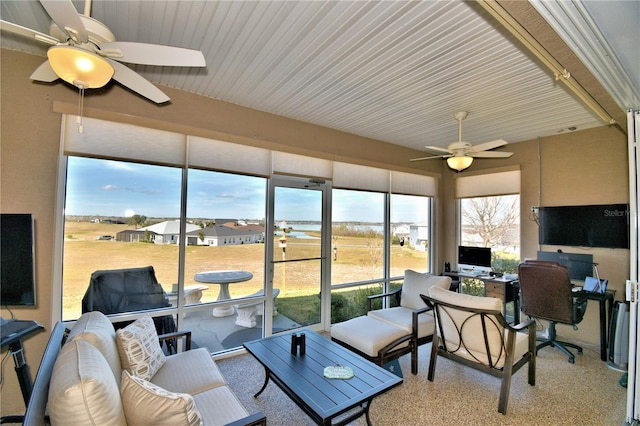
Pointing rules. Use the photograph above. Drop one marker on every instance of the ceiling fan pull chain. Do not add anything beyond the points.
(80, 110)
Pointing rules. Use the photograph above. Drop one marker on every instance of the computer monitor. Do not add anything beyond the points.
(474, 259)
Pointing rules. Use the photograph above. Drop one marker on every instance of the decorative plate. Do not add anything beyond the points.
(338, 372)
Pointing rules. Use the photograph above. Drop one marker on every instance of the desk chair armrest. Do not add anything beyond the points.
(186, 334)
(395, 293)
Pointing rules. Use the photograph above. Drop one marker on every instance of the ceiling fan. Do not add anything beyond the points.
(460, 154)
(85, 52)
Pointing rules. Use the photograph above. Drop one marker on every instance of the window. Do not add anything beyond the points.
(357, 236)
(134, 204)
(188, 205)
(489, 216)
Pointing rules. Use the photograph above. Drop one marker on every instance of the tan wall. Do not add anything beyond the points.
(30, 134)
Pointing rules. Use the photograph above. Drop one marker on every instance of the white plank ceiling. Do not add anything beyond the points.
(392, 71)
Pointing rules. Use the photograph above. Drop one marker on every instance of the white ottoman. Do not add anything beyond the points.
(368, 336)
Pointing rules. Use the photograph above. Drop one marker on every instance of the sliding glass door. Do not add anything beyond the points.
(297, 243)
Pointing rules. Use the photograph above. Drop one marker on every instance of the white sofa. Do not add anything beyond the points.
(103, 377)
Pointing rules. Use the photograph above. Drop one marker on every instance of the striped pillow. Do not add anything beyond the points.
(140, 352)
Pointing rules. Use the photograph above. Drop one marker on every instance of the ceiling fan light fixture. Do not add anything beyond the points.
(459, 163)
(80, 67)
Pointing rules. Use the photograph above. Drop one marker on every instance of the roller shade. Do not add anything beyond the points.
(351, 176)
(113, 140)
(123, 141)
(490, 184)
(410, 184)
(301, 165)
(219, 155)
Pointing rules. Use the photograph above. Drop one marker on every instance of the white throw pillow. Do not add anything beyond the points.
(416, 284)
(147, 404)
(140, 352)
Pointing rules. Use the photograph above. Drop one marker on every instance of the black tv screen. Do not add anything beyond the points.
(604, 225)
(17, 274)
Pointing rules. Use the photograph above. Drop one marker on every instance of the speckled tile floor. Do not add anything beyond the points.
(584, 393)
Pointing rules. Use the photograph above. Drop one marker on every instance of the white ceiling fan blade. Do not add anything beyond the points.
(27, 32)
(153, 54)
(487, 145)
(134, 81)
(44, 73)
(490, 154)
(429, 158)
(66, 17)
(438, 149)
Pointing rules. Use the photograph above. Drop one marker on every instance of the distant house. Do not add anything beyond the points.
(167, 232)
(227, 234)
(419, 237)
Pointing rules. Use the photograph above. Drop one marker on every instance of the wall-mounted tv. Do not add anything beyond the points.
(474, 259)
(605, 225)
(17, 267)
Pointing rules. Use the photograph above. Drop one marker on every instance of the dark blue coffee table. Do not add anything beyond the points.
(302, 378)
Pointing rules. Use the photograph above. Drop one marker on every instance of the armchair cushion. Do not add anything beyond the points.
(415, 284)
(140, 352)
(463, 330)
(145, 403)
(403, 317)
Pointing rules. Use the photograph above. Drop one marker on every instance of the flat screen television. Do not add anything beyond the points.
(17, 266)
(605, 225)
(476, 259)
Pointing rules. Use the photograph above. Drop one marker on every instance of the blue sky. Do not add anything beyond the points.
(116, 188)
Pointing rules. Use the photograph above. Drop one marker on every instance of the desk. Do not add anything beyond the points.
(504, 289)
(605, 300)
(223, 279)
(13, 332)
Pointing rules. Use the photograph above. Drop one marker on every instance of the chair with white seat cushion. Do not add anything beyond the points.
(471, 330)
(386, 334)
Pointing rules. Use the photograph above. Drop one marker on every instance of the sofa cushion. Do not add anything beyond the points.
(140, 352)
(83, 388)
(148, 404)
(189, 372)
(95, 328)
(471, 328)
(403, 317)
(219, 406)
(415, 284)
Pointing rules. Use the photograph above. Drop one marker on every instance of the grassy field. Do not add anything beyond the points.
(358, 259)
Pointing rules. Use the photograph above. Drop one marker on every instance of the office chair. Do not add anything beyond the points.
(545, 290)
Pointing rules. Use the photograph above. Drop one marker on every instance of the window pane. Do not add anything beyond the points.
(225, 230)
(118, 215)
(357, 236)
(493, 222)
(410, 233)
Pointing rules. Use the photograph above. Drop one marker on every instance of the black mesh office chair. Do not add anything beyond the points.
(545, 289)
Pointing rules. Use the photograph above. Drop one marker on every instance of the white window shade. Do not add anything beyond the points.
(219, 155)
(353, 176)
(410, 184)
(123, 141)
(489, 184)
(300, 165)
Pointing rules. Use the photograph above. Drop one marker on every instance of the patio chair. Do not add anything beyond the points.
(471, 330)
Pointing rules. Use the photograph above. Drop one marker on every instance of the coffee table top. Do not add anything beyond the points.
(302, 376)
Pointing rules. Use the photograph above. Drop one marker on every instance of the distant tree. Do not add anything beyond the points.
(491, 218)
(137, 220)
